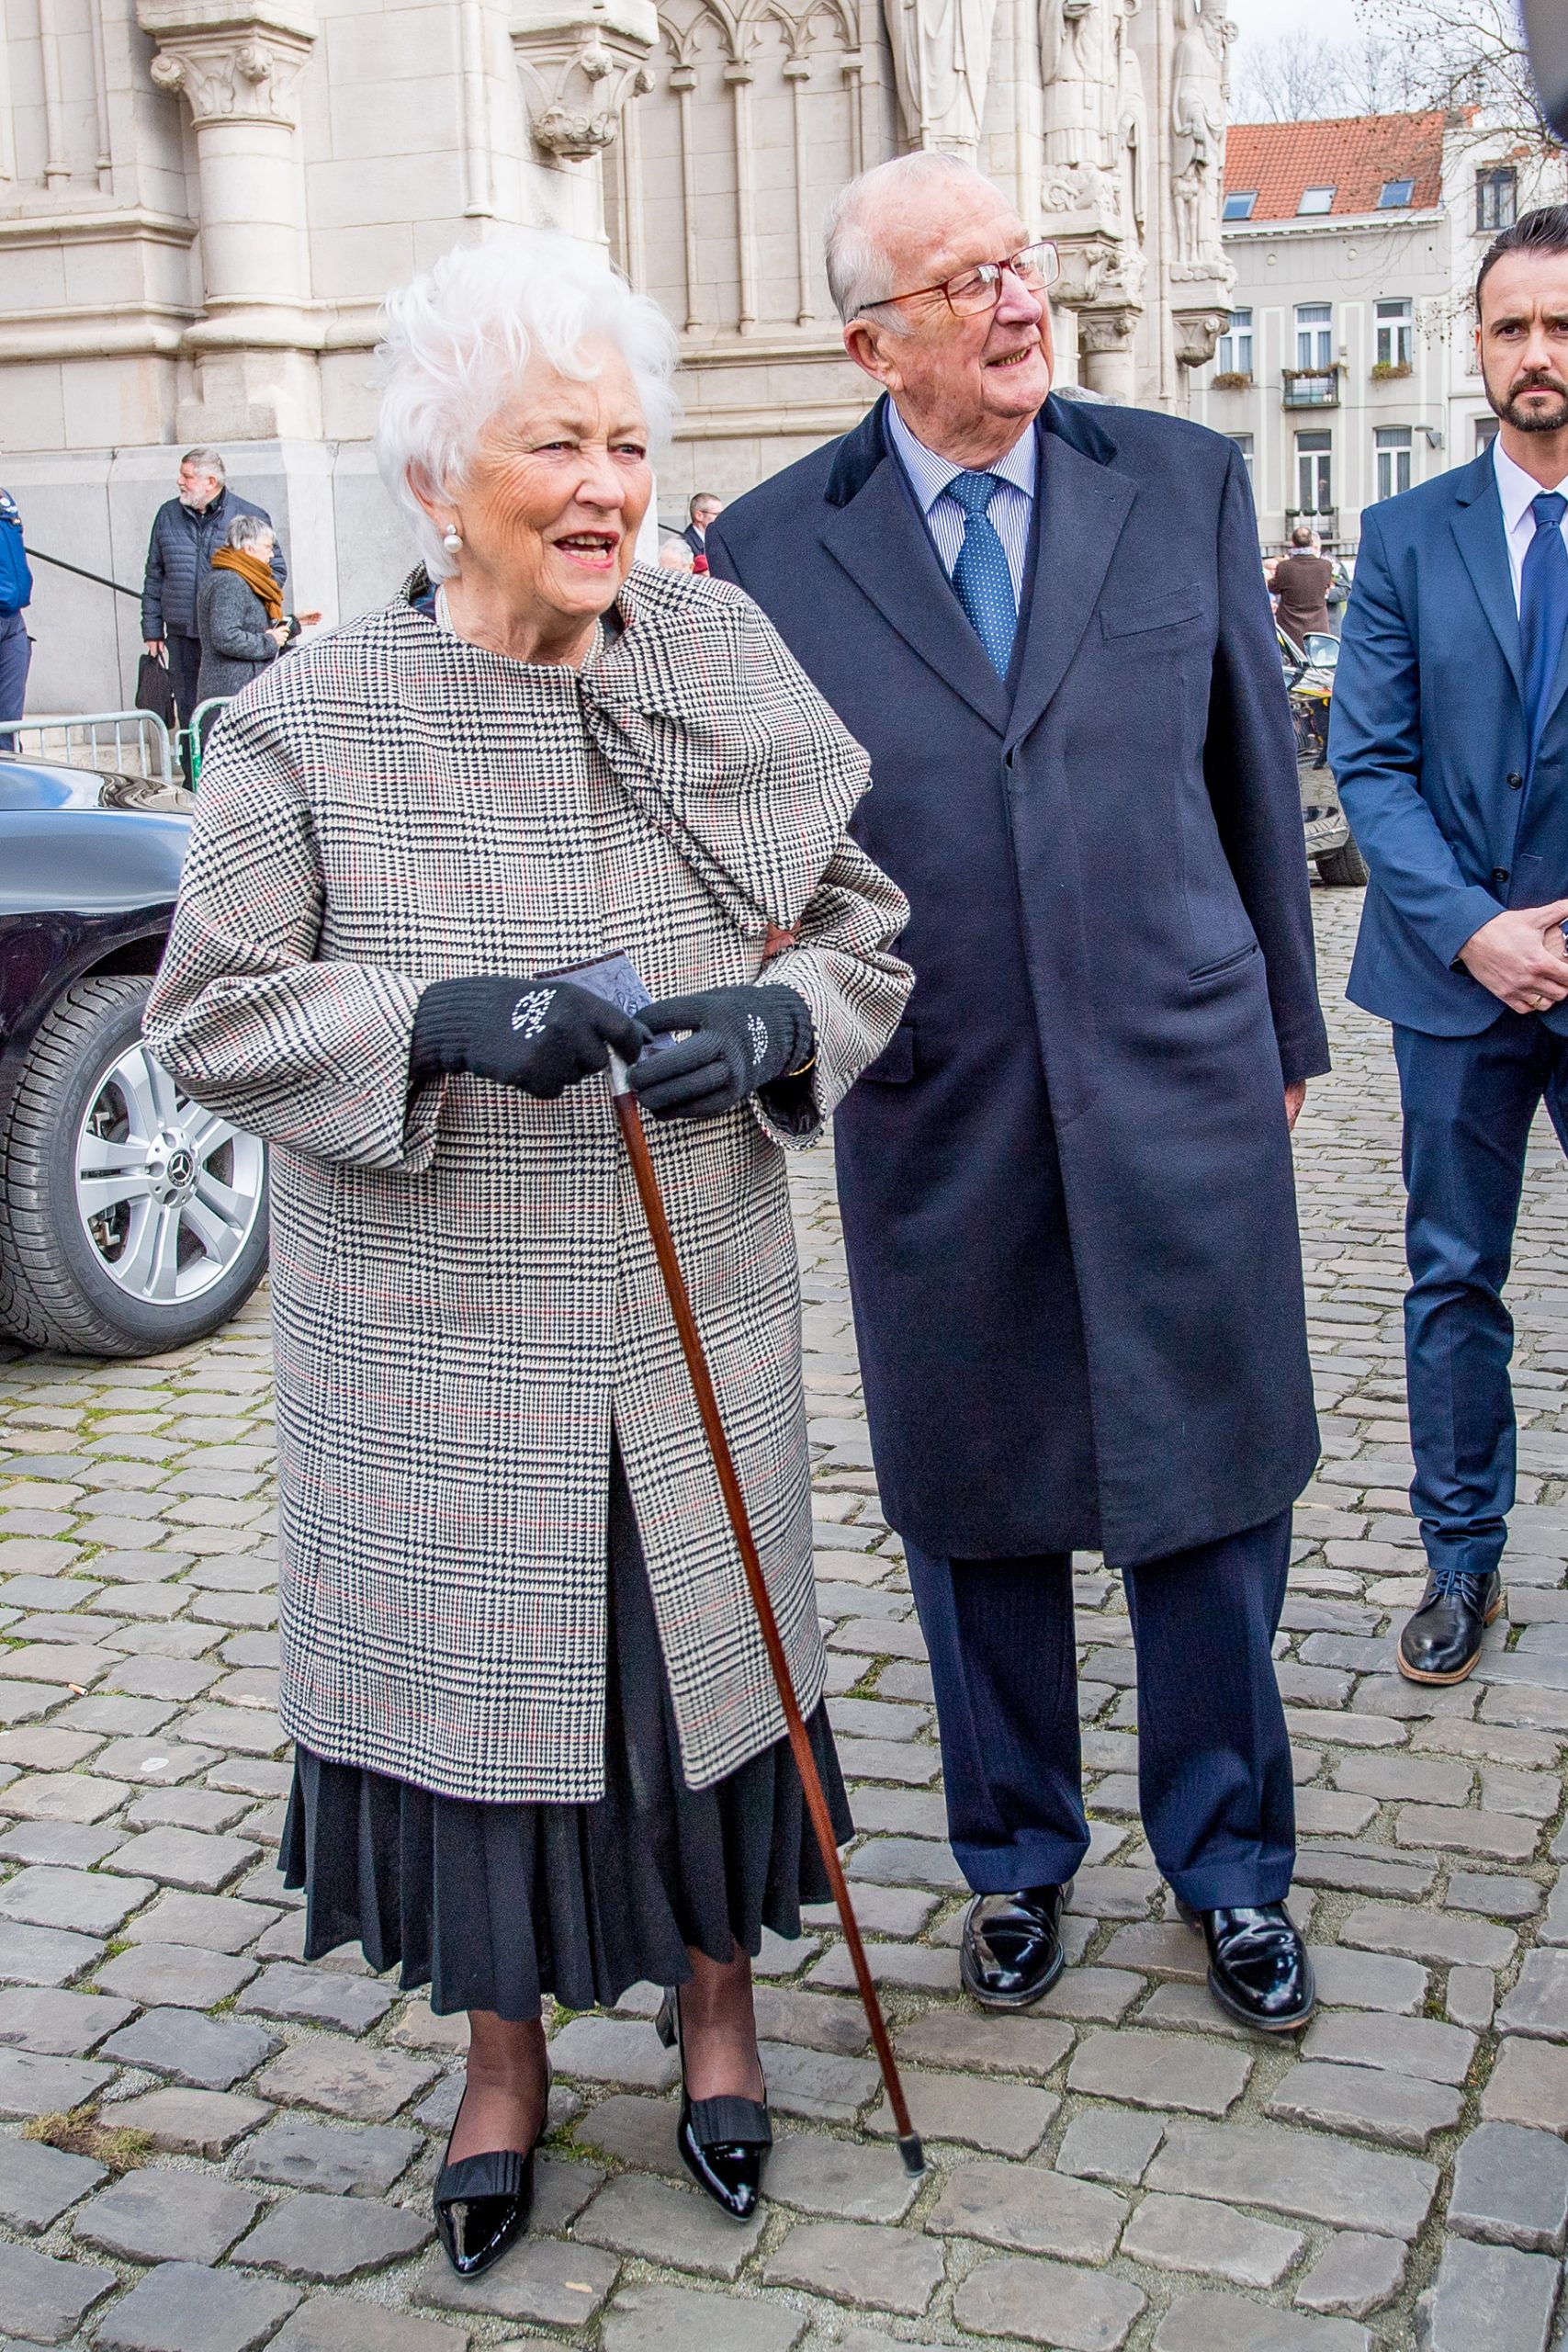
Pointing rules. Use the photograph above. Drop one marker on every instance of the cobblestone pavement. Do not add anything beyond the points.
(1121, 2167)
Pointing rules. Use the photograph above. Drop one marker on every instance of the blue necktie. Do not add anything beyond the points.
(981, 575)
(1544, 605)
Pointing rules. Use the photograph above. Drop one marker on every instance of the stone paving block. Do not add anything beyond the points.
(811, 2082)
(1191, 2008)
(368, 2086)
(1399, 2109)
(845, 2179)
(331, 2238)
(320, 2157)
(1291, 2172)
(1111, 2143)
(640, 2131)
(177, 1808)
(817, 2023)
(176, 1975)
(1508, 1837)
(1229, 2323)
(30, 2085)
(37, 2183)
(1511, 2189)
(989, 2045)
(155, 1762)
(42, 1955)
(74, 1846)
(193, 2123)
(1494, 1893)
(1172, 1949)
(1004, 2119)
(153, 2215)
(162, 1677)
(183, 1858)
(211, 2053)
(56, 2024)
(652, 2318)
(1347, 1979)
(1161, 2070)
(310, 1997)
(181, 2307)
(1034, 2211)
(1539, 2001)
(419, 2028)
(1356, 2274)
(336, 2323)
(916, 1966)
(906, 1861)
(1429, 1935)
(63, 1796)
(1193, 2233)
(217, 1922)
(1487, 2295)
(881, 1910)
(1361, 1873)
(638, 2215)
(881, 2269)
(541, 2279)
(1048, 2303)
(1090, 1995)
(1421, 2046)
(1415, 1780)
(77, 1901)
(607, 2050)
(1529, 2086)
(1114, 1893)
(45, 2300)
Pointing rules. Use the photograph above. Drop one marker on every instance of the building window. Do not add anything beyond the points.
(1396, 195)
(1315, 474)
(1234, 356)
(1315, 335)
(1392, 446)
(1238, 205)
(1486, 433)
(1244, 443)
(1316, 200)
(1395, 330)
(1496, 197)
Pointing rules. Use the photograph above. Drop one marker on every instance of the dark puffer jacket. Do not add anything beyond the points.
(180, 550)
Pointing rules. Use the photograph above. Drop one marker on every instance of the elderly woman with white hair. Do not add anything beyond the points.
(538, 1750)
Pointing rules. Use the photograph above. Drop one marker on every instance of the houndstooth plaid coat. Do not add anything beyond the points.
(464, 1291)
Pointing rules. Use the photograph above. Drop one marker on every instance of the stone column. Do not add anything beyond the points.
(582, 65)
(1105, 347)
(238, 67)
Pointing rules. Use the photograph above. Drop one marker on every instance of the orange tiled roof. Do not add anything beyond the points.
(1354, 157)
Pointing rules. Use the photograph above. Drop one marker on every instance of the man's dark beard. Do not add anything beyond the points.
(1526, 420)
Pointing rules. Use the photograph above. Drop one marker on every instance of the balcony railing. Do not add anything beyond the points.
(1324, 521)
(1310, 386)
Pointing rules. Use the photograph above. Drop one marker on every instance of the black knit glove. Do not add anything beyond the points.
(742, 1039)
(540, 1035)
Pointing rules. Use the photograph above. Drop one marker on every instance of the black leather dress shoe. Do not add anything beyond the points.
(1441, 1639)
(482, 2204)
(724, 2142)
(1259, 1971)
(1012, 1953)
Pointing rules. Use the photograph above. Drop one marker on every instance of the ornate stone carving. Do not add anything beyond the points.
(1198, 92)
(1106, 331)
(1197, 333)
(582, 67)
(230, 63)
(941, 63)
(1090, 193)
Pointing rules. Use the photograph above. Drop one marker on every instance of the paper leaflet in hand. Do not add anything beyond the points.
(617, 979)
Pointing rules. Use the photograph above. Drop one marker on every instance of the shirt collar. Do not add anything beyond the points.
(930, 475)
(1515, 488)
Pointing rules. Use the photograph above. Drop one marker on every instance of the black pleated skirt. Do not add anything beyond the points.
(494, 1905)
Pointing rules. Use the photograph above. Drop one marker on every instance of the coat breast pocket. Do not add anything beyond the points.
(1176, 608)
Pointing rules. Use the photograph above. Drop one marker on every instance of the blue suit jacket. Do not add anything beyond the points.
(1431, 747)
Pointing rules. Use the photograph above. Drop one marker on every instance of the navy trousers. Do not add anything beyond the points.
(1469, 1102)
(1214, 1781)
(16, 653)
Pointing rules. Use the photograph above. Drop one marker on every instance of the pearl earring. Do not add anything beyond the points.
(452, 538)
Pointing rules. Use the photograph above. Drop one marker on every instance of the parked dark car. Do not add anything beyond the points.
(131, 1219)
(1309, 681)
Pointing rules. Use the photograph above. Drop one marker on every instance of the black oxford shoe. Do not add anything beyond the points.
(1012, 1953)
(1441, 1639)
(1259, 1968)
(482, 2204)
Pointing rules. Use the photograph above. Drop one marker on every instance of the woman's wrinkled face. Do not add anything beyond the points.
(556, 491)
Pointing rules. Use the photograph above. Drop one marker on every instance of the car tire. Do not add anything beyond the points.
(179, 1251)
(1343, 867)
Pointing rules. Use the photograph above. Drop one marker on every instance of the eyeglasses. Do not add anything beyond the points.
(979, 288)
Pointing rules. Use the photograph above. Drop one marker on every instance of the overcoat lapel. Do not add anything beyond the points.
(1083, 507)
(1478, 529)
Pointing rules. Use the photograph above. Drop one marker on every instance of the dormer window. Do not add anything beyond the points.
(1316, 200)
(1396, 195)
(1239, 204)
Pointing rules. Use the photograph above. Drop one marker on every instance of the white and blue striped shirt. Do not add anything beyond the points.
(1011, 510)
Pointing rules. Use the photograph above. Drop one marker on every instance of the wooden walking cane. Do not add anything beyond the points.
(630, 1116)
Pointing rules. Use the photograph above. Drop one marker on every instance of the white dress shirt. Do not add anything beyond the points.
(1516, 488)
(1010, 513)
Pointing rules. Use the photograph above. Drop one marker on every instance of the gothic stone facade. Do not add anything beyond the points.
(202, 201)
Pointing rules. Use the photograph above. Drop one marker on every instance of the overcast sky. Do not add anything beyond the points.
(1264, 19)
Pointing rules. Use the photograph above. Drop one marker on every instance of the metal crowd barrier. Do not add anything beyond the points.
(201, 719)
(134, 742)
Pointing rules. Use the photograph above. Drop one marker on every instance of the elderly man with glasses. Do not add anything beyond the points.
(1067, 1183)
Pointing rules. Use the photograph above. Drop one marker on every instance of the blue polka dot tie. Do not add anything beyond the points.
(1544, 605)
(981, 576)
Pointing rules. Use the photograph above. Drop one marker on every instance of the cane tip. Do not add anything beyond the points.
(914, 2156)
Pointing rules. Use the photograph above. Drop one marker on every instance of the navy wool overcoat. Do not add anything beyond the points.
(1066, 1184)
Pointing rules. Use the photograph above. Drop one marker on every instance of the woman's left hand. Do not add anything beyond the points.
(741, 1039)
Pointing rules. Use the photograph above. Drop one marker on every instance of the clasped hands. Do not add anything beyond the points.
(1520, 956)
(544, 1035)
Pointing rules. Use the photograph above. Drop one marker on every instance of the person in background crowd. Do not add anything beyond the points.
(674, 555)
(702, 509)
(239, 610)
(16, 594)
(1299, 586)
(1067, 1185)
(186, 531)
(1448, 741)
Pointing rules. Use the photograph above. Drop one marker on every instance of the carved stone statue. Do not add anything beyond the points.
(941, 62)
(1198, 97)
(1079, 46)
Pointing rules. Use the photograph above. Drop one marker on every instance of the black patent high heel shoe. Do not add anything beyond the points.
(722, 2141)
(483, 2203)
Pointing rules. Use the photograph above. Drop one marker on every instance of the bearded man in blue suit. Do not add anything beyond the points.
(1449, 744)
(1066, 1184)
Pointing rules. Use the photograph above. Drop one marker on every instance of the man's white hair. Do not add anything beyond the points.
(458, 338)
(859, 273)
(205, 461)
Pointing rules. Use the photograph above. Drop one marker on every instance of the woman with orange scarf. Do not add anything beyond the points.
(239, 610)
